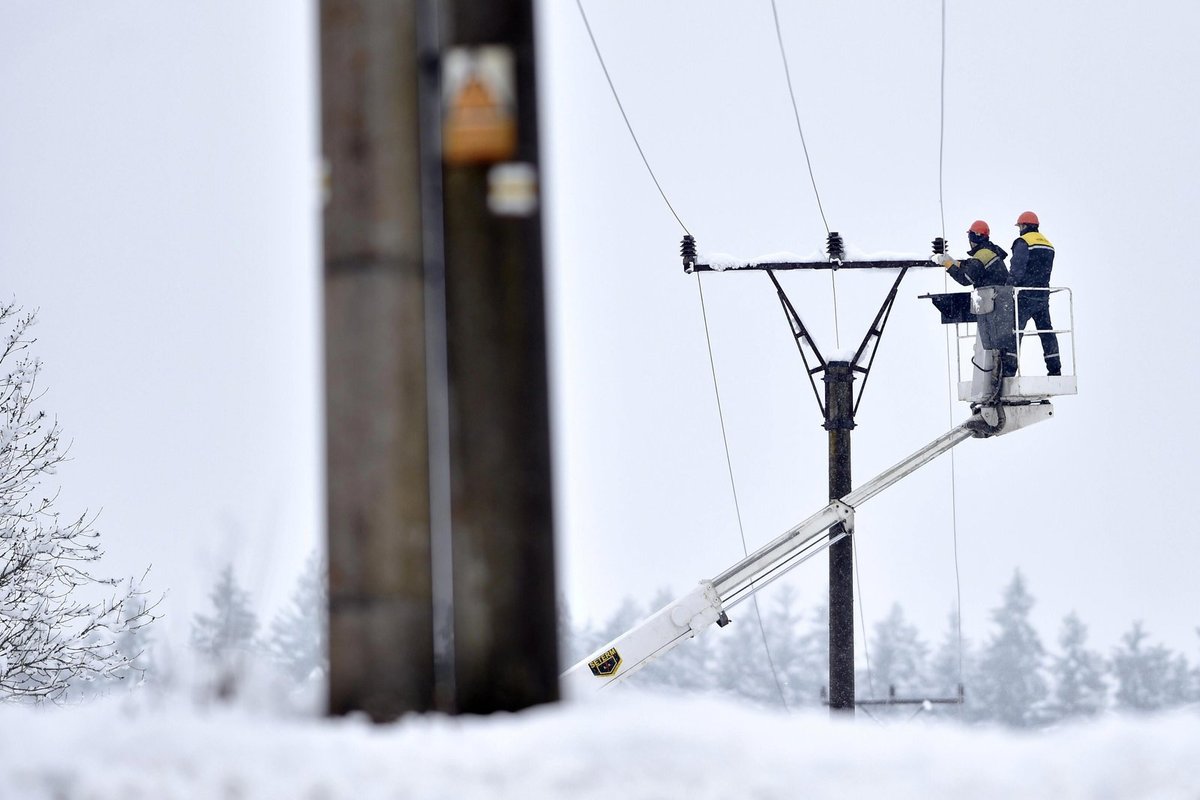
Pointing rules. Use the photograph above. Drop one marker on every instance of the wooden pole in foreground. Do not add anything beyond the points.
(436, 381)
(505, 620)
(380, 608)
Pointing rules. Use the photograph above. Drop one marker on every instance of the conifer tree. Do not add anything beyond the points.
(743, 667)
(799, 646)
(1141, 671)
(225, 638)
(1181, 687)
(1079, 686)
(808, 673)
(898, 655)
(1011, 684)
(628, 614)
(297, 640)
(951, 661)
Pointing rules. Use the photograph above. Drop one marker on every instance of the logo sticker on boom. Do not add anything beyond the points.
(606, 664)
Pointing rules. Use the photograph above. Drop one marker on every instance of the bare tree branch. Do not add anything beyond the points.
(56, 629)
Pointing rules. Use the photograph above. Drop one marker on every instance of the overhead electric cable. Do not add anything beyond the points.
(796, 112)
(950, 337)
(624, 116)
(942, 125)
(733, 487)
(862, 616)
(787, 73)
(707, 338)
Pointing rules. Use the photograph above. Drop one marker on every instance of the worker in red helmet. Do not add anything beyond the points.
(984, 265)
(1032, 262)
(992, 303)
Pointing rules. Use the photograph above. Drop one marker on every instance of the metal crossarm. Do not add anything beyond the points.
(794, 265)
(836, 260)
(814, 361)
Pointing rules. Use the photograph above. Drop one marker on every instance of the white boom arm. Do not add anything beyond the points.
(696, 611)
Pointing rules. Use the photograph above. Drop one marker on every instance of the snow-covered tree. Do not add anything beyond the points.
(1010, 684)
(59, 623)
(1181, 686)
(628, 614)
(897, 655)
(951, 662)
(803, 656)
(225, 638)
(1079, 686)
(799, 645)
(951, 666)
(134, 642)
(742, 664)
(1142, 672)
(297, 639)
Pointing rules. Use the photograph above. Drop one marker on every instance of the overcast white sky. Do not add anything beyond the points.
(158, 203)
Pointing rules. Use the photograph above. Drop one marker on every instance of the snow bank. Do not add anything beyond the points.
(628, 745)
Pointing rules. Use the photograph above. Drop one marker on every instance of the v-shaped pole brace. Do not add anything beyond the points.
(814, 362)
(864, 356)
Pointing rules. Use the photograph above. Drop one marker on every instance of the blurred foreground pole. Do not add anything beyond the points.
(505, 621)
(380, 607)
(436, 382)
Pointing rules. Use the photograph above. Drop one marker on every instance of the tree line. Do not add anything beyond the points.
(1010, 677)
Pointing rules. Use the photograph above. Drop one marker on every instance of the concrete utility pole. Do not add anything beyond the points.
(505, 620)
(380, 589)
(839, 421)
(436, 381)
(838, 408)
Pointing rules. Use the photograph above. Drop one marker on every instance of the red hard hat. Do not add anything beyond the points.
(1028, 218)
(980, 227)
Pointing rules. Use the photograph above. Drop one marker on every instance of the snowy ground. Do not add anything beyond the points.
(629, 747)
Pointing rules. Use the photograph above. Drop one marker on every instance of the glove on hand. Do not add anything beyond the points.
(944, 260)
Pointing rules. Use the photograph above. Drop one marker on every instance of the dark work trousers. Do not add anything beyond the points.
(1036, 306)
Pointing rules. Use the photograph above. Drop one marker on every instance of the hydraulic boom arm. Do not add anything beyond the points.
(708, 602)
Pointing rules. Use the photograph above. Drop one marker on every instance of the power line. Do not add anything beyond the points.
(707, 338)
(624, 116)
(733, 486)
(862, 615)
(787, 73)
(796, 112)
(942, 125)
(949, 367)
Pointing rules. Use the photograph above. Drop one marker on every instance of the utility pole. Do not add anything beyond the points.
(441, 556)
(380, 587)
(839, 422)
(505, 619)
(838, 407)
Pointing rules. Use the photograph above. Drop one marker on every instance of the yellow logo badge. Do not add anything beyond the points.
(606, 664)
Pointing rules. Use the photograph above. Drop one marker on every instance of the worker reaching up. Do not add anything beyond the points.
(1032, 262)
(992, 304)
(984, 265)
